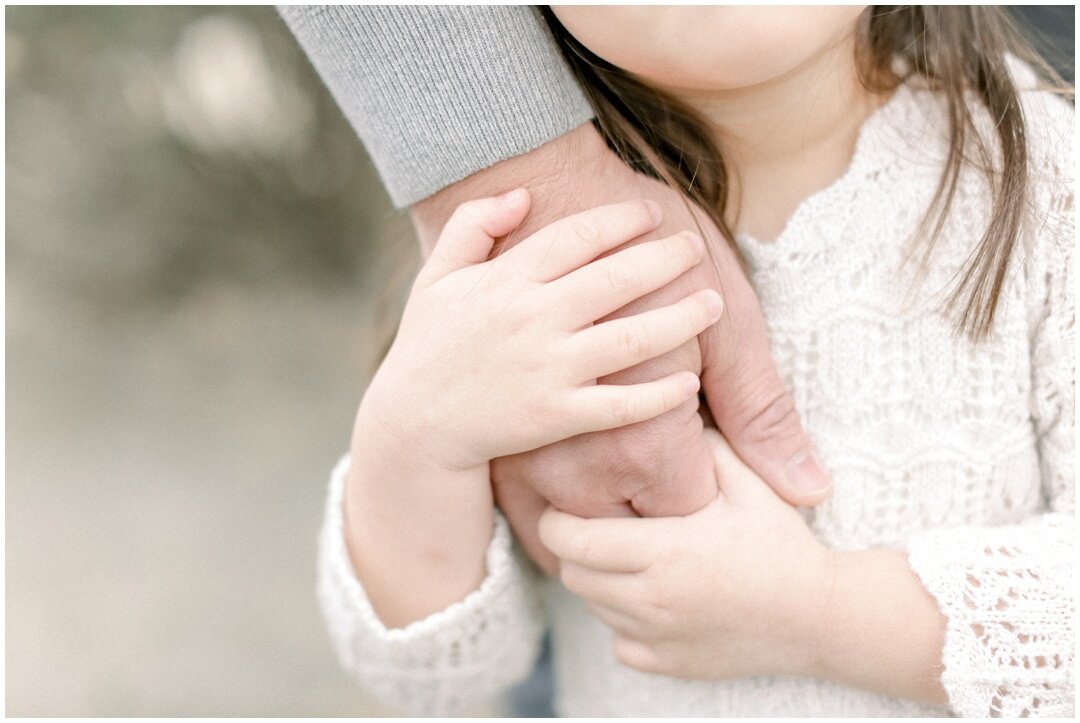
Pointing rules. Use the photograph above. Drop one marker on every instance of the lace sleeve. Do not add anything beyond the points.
(1008, 592)
(448, 663)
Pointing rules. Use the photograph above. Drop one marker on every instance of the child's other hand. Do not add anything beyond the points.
(500, 356)
(731, 591)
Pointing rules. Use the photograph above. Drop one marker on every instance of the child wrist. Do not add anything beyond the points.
(821, 611)
(412, 432)
(382, 439)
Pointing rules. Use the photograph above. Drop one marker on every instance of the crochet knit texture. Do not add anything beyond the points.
(959, 452)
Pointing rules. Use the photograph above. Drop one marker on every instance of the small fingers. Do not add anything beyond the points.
(737, 481)
(723, 454)
(622, 343)
(468, 237)
(574, 241)
(636, 654)
(606, 285)
(609, 406)
(617, 620)
(612, 545)
(600, 587)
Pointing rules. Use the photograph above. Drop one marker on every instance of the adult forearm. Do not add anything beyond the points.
(439, 92)
(881, 631)
(542, 171)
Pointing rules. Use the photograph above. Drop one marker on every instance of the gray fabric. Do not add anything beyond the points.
(438, 93)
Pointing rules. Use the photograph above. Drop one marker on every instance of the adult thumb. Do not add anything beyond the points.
(734, 477)
(752, 407)
(470, 234)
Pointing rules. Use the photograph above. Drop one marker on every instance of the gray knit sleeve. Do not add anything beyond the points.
(438, 93)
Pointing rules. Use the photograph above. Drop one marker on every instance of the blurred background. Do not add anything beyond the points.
(202, 270)
(201, 265)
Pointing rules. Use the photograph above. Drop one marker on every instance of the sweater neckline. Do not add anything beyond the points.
(866, 158)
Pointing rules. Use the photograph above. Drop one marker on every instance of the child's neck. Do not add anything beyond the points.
(786, 138)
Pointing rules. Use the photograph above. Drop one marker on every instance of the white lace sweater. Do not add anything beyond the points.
(960, 453)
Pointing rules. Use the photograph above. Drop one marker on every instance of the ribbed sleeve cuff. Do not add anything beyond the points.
(438, 93)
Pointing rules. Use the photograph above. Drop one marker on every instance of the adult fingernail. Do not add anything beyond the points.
(806, 476)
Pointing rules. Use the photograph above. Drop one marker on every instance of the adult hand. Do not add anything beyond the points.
(659, 467)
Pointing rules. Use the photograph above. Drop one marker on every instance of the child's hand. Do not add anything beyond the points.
(733, 590)
(498, 357)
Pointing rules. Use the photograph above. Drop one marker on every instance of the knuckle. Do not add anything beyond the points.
(644, 454)
(547, 413)
(655, 399)
(569, 417)
(634, 340)
(616, 276)
(774, 415)
(623, 408)
(528, 310)
(665, 556)
(674, 252)
(669, 395)
(583, 549)
(589, 231)
(573, 359)
(467, 213)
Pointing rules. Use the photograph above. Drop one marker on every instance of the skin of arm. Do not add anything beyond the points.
(495, 357)
(881, 630)
(688, 597)
(657, 467)
(412, 526)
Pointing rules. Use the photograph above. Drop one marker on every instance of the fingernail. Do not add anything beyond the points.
(655, 211)
(696, 242)
(511, 196)
(690, 383)
(714, 304)
(806, 476)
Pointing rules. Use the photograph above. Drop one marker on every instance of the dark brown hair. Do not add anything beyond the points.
(954, 50)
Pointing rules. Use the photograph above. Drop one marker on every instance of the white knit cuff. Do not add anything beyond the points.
(1007, 596)
(498, 557)
(447, 661)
